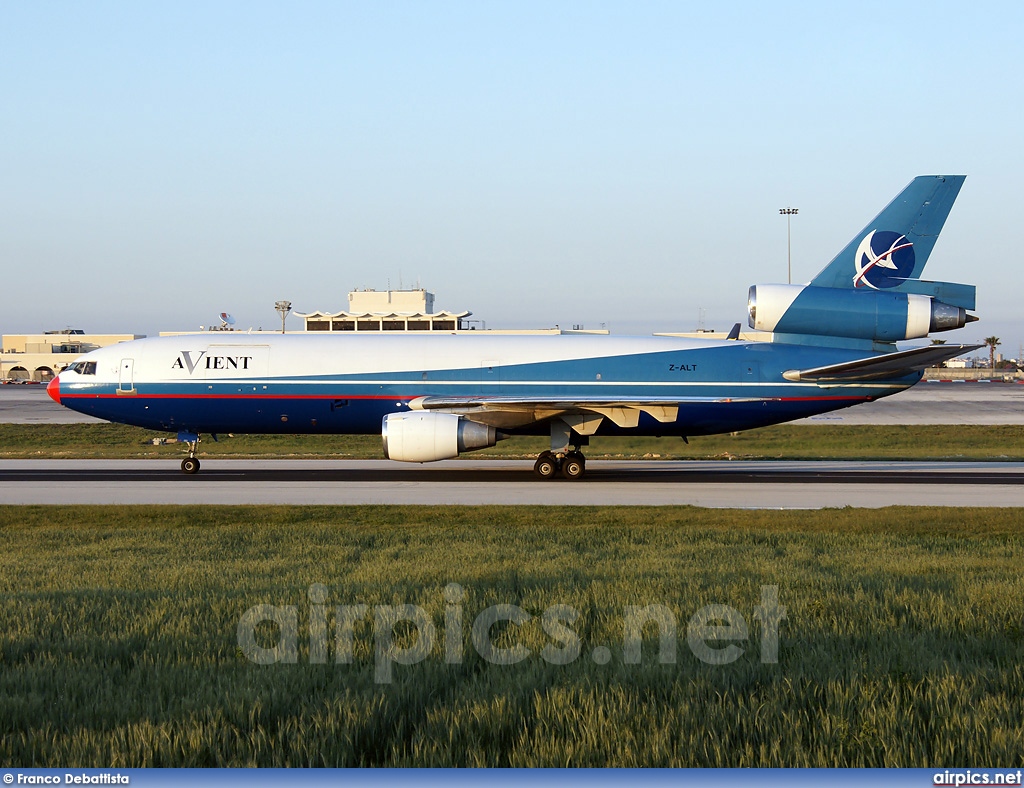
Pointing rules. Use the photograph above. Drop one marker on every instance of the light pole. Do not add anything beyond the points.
(789, 213)
(284, 307)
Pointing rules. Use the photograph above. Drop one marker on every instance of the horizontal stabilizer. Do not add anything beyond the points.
(891, 365)
(947, 292)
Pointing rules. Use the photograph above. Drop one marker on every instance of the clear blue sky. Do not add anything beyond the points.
(537, 163)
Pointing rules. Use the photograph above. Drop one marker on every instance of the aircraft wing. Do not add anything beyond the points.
(890, 365)
(584, 414)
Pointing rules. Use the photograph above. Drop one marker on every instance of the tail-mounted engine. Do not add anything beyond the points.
(882, 316)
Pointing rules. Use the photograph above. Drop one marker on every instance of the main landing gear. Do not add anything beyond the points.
(570, 465)
(565, 458)
(190, 464)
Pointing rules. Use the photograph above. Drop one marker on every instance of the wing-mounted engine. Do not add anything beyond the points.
(426, 437)
(880, 316)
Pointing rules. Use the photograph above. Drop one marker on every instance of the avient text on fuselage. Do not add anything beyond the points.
(185, 361)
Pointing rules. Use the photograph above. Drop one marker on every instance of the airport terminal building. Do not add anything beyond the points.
(407, 310)
(387, 310)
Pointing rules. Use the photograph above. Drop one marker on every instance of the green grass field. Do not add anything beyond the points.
(903, 643)
(854, 442)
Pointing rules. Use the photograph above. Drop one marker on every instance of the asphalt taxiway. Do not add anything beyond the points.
(802, 485)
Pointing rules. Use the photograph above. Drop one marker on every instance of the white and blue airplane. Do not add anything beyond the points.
(433, 396)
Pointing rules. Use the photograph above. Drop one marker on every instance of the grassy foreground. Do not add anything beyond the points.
(786, 441)
(902, 643)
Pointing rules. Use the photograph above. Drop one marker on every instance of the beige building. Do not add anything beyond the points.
(387, 310)
(41, 356)
(406, 310)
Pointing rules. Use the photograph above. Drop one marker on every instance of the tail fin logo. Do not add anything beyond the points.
(883, 259)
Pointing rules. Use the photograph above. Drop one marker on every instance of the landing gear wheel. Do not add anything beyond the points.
(573, 467)
(190, 465)
(546, 466)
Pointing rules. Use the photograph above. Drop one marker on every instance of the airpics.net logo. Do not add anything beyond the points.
(973, 777)
(884, 259)
(408, 634)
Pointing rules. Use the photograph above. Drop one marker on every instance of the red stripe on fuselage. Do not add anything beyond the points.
(496, 401)
(236, 396)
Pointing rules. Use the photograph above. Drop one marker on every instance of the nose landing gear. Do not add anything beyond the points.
(190, 464)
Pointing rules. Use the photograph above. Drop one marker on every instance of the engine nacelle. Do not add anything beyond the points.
(862, 314)
(426, 437)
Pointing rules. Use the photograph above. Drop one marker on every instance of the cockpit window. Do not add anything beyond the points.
(83, 367)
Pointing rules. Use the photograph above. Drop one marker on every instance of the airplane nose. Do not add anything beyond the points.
(53, 389)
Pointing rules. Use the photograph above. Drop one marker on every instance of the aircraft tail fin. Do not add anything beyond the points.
(895, 245)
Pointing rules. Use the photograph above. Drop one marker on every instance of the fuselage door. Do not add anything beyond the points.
(126, 377)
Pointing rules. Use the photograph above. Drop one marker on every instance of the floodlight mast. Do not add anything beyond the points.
(283, 307)
(789, 213)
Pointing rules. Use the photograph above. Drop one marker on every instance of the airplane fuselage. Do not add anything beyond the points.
(345, 384)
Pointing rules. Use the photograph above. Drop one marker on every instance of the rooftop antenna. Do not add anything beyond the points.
(226, 321)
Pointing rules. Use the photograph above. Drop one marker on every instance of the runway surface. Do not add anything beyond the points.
(925, 403)
(802, 485)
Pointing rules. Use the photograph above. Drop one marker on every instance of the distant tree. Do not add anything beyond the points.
(938, 342)
(992, 342)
